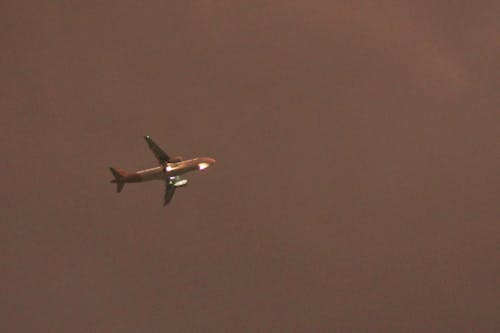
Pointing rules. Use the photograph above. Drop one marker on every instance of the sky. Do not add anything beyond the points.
(357, 178)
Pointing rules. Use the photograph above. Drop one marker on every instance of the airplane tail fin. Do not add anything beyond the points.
(119, 175)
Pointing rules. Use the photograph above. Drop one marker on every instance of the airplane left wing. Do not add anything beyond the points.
(169, 192)
(160, 155)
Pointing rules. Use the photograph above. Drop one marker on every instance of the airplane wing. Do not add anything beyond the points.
(160, 155)
(169, 192)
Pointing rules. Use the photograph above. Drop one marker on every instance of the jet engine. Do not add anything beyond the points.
(179, 182)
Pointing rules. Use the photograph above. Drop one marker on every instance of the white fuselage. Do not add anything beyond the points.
(174, 169)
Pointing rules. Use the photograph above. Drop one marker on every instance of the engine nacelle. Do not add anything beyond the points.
(180, 182)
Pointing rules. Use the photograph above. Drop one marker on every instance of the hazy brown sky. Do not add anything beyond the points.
(356, 184)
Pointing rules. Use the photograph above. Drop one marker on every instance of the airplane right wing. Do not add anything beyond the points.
(160, 155)
(169, 192)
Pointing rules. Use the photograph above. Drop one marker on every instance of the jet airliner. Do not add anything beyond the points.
(170, 171)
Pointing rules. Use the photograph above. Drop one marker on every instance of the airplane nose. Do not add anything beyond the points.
(206, 162)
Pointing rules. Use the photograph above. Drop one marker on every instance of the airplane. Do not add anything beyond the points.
(169, 171)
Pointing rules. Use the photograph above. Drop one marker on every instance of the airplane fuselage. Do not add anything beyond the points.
(169, 170)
